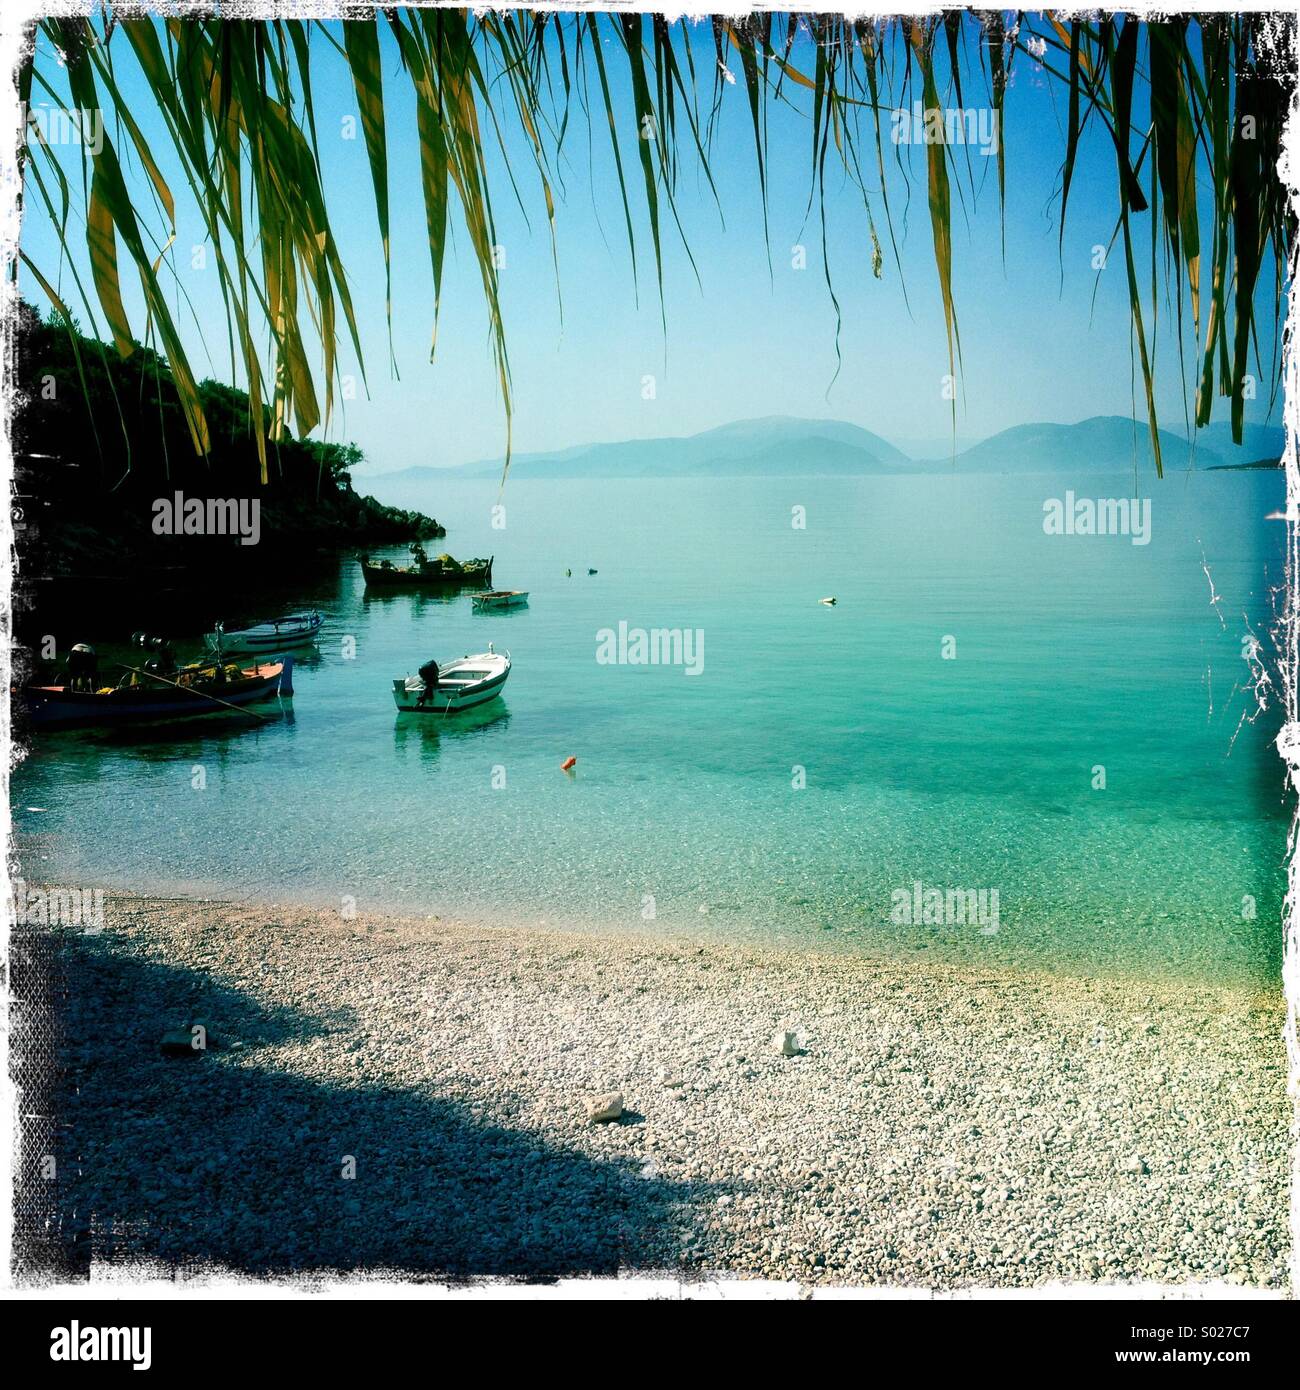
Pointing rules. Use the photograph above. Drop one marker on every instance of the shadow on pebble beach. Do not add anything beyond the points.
(211, 1160)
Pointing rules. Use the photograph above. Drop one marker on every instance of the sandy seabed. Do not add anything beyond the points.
(410, 1096)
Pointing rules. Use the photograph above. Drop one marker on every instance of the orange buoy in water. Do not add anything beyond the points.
(567, 764)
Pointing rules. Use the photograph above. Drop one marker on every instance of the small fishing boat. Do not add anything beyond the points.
(203, 688)
(473, 680)
(274, 635)
(442, 572)
(500, 598)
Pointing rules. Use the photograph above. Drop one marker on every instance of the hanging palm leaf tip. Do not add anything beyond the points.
(1193, 108)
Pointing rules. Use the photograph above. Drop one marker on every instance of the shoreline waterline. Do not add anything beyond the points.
(1017, 947)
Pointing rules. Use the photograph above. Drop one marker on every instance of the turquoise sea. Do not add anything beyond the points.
(822, 762)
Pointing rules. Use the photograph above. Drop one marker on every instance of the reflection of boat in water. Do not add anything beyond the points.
(203, 688)
(425, 735)
(500, 598)
(442, 572)
(273, 636)
(462, 684)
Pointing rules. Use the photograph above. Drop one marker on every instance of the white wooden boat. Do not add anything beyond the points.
(462, 684)
(275, 635)
(500, 598)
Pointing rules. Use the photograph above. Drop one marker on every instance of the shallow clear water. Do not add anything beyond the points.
(977, 772)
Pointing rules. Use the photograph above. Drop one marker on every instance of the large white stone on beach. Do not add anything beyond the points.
(603, 1108)
(787, 1043)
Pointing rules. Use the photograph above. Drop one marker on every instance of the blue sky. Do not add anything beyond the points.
(745, 341)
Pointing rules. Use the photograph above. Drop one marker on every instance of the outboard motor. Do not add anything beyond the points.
(83, 667)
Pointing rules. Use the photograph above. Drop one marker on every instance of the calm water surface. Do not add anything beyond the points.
(1072, 654)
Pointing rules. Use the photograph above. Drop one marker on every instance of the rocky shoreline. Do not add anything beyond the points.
(425, 1098)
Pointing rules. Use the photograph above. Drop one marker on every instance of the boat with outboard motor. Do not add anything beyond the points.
(150, 695)
(461, 684)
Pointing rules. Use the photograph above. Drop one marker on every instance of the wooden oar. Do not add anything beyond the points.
(189, 690)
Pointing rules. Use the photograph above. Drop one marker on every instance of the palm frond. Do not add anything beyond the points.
(1204, 98)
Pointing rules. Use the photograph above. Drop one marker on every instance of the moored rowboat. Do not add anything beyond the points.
(442, 573)
(500, 598)
(462, 684)
(273, 636)
(201, 689)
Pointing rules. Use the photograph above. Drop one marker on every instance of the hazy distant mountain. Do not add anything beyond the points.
(1103, 444)
(771, 446)
(779, 446)
(777, 430)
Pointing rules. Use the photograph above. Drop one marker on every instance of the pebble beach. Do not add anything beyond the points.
(450, 1101)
